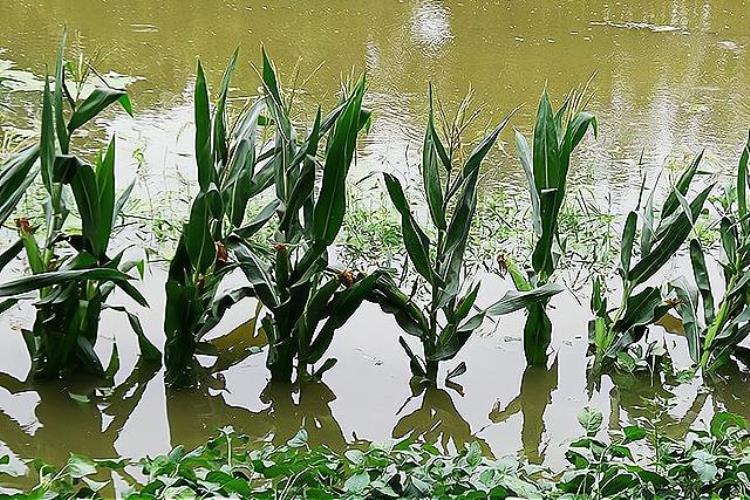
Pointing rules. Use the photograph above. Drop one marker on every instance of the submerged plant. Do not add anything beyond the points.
(226, 159)
(714, 332)
(613, 331)
(450, 314)
(556, 135)
(307, 300)
(73, 272)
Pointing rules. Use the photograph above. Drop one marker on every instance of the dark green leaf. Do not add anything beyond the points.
(203, 157)
(331, 204)
(95, 103)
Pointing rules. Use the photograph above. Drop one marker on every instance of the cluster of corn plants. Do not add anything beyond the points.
(613, 331)
(450, 314)
(307, 300)
(226, 158)
(307, 296)
(73, 272)
(556, 135)
(713, 332)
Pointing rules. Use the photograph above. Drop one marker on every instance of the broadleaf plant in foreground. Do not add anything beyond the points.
(613, 331)
(73, 272)
(306, 299)
(714, 331)
(450, 314)
(556, 136)
(640, 462)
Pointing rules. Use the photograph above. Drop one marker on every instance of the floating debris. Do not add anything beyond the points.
(638, 25)
(144, 28)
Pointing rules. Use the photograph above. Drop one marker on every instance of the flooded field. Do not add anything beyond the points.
(671, 78)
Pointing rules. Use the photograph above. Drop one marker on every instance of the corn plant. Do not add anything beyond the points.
(73, 272)
(226, 158)
(613, 331)
(713, 332)
(556, 135)
(307, 300)
(450, 315)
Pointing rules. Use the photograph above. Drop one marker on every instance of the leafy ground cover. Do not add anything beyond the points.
(638, 462)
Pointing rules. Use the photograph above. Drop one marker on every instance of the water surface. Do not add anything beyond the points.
(671, 79)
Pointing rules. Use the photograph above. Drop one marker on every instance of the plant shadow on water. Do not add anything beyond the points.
(70, 422)
(537, 385)
(195, 412)
(437, 421)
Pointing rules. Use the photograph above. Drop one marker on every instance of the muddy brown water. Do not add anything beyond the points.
(672, 78)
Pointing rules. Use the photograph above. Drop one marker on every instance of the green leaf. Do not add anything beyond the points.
(431, 159)
(199, 241)
(237, 188)
(674, 235)
(549, 177)
(742, 187)
(687, 308)
(357, 483)
(700, 272)
(43, 280)
(83, 183)
(269, 78)
(641, 309)
(10, 253)
(299, 440)
(257, 273)
(524, 155)
(16, 175)
(95, 197)
(220, 147)
(203, 158)
(60, 127)
(626, 246)
(634, 433)
(105, 190)
(343, 306)
(513, 300)
(723, 421)
(456, 372)
(331, 204)
(47, 138)
(591, 420)
(95, 103)
(149, 352)
(122, 199)
(415, 363)
(260, 220)
(681, 188)
(80, 466)
(393, 301)
(415, 240)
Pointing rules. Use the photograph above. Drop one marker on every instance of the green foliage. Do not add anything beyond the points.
(556, 135)
(73, 273)
(226, 159)
(711, 464)
(612, 332)
(714, 332)
(307, 299)
(450, 315)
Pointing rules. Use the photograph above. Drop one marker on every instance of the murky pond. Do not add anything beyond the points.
(671, 78)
